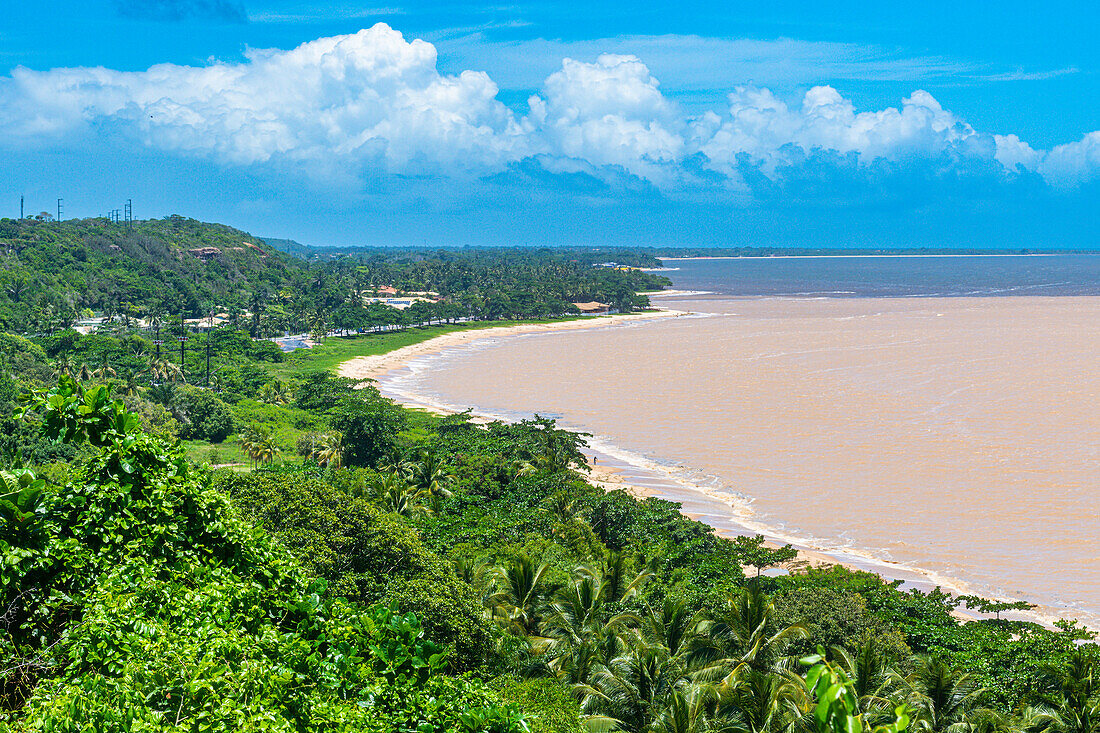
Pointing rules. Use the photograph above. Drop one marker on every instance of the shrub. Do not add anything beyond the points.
(368, 556)
(203, 415)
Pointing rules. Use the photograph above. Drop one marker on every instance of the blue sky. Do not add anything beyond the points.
(696, 123)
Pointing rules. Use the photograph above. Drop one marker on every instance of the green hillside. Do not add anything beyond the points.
(57, 270)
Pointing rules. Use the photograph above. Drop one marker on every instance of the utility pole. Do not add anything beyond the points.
(183, 342)
(59, 209)
(209, 334)
(20, 207)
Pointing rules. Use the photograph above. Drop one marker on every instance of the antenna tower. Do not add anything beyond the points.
(130, 214)
(59, 208)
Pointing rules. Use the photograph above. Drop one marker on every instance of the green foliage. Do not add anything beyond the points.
(368, 556)
(837, 709)
(202, 415)
(136, 601)
(547, 704)
(370, 427)
(836, 617)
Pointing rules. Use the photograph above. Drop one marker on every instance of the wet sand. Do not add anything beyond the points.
(373, 367)
(942, 441)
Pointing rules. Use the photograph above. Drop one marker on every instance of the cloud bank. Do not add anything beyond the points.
(373, 102)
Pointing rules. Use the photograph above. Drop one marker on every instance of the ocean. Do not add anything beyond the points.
(932, 419)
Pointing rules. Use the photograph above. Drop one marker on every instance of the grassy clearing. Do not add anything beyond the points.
(337, 349)
(287, 423)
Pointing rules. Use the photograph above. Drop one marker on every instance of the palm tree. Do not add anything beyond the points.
(430, 474)
(163, 370)
(868, 671)
(939, 695)
(516, 600)
(266, 449)
(325, 449)
(1072, 692)
(276, 392)
(63, 366)
(745, 632)
(129, 384)
(674, 626)
(162, 394)
(393, 494)
(258, 443)
(756, 701)
(563, 507)
(104, 371)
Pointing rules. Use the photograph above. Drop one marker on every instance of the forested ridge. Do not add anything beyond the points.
(267, 546)
(55, 273)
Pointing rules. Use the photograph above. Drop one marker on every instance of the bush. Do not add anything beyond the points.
(137, 601)
(550, 708)
(203, 415)
(368, 556)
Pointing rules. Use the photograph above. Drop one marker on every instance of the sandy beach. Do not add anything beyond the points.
(859, 430)
(602, 469)
(373, 367)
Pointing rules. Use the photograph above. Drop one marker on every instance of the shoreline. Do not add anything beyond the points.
(375, 366)
(842, 256)
(612, 468)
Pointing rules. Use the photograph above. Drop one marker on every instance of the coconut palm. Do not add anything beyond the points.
(516, 600)
(258, 443)
(324, 449)
(675, 626)
(161, 369)
(868, 669)
(104, 371)
(755, 701)
(940, 696)
(276, 392)
(266, 449)
(1071, 693)
(431, 474)
(745, 632)
(63, 366)
(638, 685)
(562, 507)
(393, 494)
(127, 383)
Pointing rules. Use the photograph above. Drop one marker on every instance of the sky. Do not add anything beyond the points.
(857, 124)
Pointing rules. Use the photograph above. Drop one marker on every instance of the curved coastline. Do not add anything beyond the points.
(613, 467)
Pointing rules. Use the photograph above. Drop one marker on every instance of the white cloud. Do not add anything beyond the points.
(1073, 163)
(366, 96)
(610, 112)
(374, 101)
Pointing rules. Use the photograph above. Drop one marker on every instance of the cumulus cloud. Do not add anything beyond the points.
(610, 112)
(367, 97)
(177, 10)
(374, 101)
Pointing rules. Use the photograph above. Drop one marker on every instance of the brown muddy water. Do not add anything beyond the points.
(957, 436)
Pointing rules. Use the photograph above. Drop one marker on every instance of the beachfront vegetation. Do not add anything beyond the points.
(289, 550)
(415, 573)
